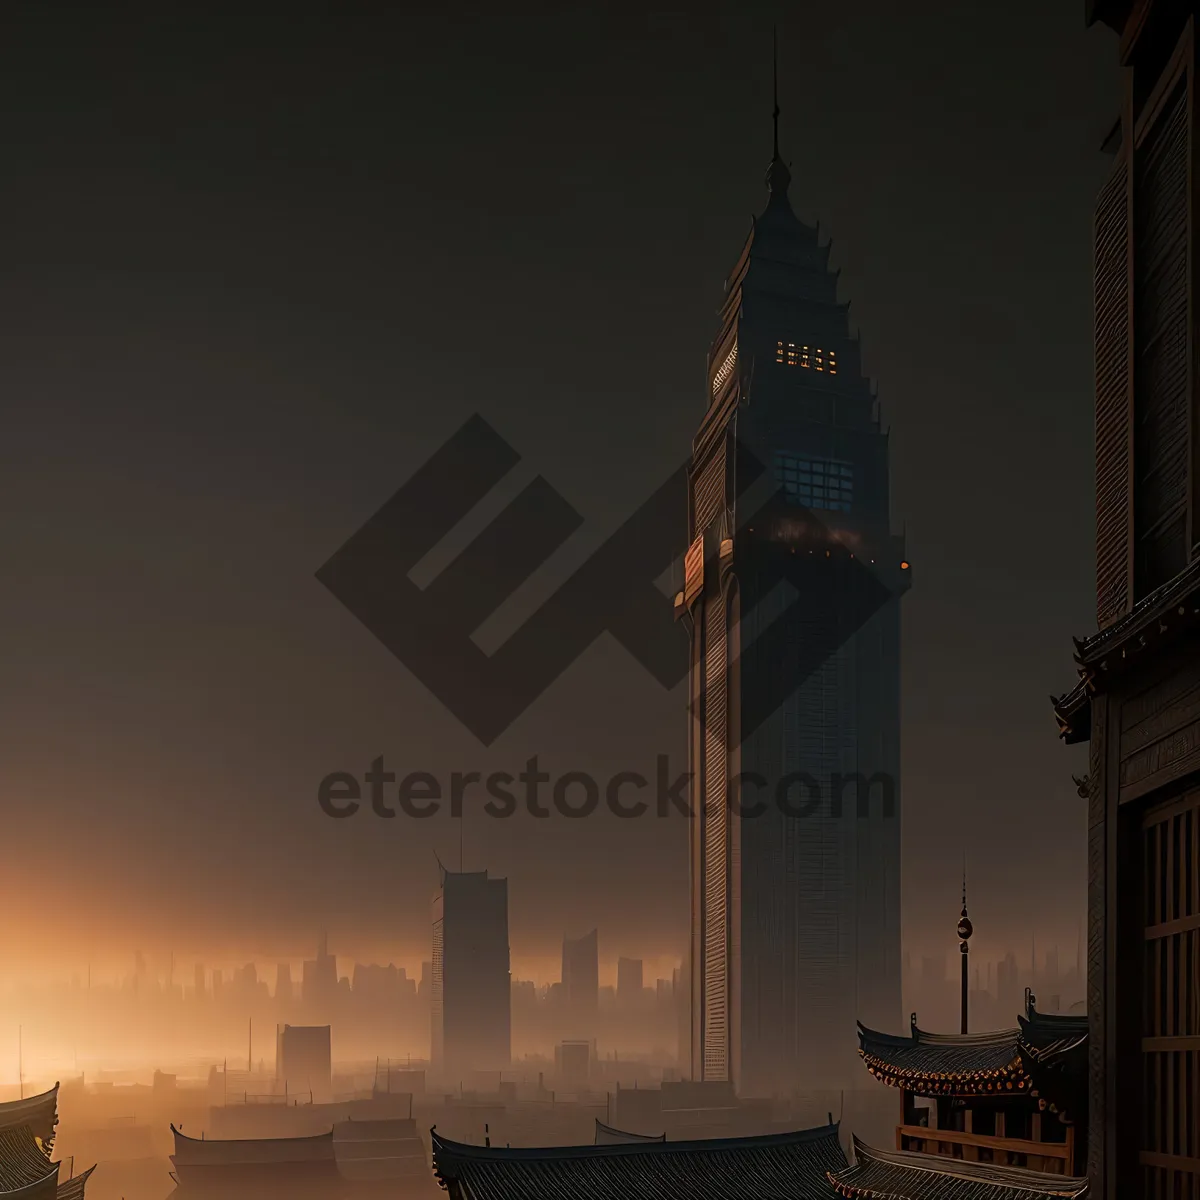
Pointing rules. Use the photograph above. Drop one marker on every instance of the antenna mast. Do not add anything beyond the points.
(775, 88)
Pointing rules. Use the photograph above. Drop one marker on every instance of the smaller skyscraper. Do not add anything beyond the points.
(304, 1060)
(581, 980)
(320, 981)
(471, 994)
(629, 982)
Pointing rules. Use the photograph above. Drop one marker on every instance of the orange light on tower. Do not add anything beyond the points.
(904, 566)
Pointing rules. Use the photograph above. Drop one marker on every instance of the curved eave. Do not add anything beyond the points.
(290, 1141)
(39, 1112)
(1012, 1079)
(900, 1174)
(1050, 1030)
(73, 1188)
(881, 1054)
(1073, 711)
(617, 1137)
(1164, 614)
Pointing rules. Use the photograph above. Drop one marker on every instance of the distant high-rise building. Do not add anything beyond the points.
(573, 1060)
(471, 997)
(304, 1060)
(933, 968)
(283, 982)
(629, 982)
(1007, 984)
(199, 981)
(795, 877)
(217, 984)
(426, 985)
(581, 979)
(319, 982)
(682, 1015)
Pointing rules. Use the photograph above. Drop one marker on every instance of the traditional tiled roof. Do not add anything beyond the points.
(1051, 1032)
(788, 1166)
(1157, 619)
(606, 1135)
(905, 1175)
(947, 1063)
(1073, 711)
(25, 1170)
(1054, 1052)
(73, 1189)
(39, 1113)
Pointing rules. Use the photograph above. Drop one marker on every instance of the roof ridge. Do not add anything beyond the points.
(306, 1137)
(695, 1145)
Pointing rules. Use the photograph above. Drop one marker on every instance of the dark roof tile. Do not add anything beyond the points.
(789, 1166)
(905, 1175)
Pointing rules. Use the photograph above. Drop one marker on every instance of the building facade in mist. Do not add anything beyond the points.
(795, 906)
(1136, 701)
(630, 981)
(304, 1060)
(581, 980)
(319, 983)
(471, 994)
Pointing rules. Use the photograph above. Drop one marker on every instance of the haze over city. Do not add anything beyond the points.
(259, 275)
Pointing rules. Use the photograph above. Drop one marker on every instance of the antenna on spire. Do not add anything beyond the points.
(775, 86)
(964, 881)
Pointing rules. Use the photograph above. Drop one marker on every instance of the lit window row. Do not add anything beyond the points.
(825, 484)
(812, 358)
(725, 370)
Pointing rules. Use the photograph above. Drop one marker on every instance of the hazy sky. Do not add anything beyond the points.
(254, 273)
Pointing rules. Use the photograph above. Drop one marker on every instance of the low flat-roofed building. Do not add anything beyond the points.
(255, 1167)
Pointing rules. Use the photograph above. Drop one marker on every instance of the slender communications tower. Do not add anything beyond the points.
(965, 929)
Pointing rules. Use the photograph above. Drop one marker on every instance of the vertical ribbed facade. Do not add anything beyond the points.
(795, 883)
(715, 819)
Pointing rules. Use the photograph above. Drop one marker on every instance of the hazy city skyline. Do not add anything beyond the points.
(236, 409)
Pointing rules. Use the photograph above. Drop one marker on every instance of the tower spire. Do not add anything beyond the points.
(775, 89)
(778, 176)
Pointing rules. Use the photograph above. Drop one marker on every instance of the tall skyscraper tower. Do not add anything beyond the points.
(471, 999)
(794, 685)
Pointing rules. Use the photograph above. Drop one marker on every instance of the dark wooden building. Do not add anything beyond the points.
(1009, 1098)
(1138, 698)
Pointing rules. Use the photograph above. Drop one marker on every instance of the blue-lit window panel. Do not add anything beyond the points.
(825, 484)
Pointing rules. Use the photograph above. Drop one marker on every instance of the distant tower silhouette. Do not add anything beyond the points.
(965, 929)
